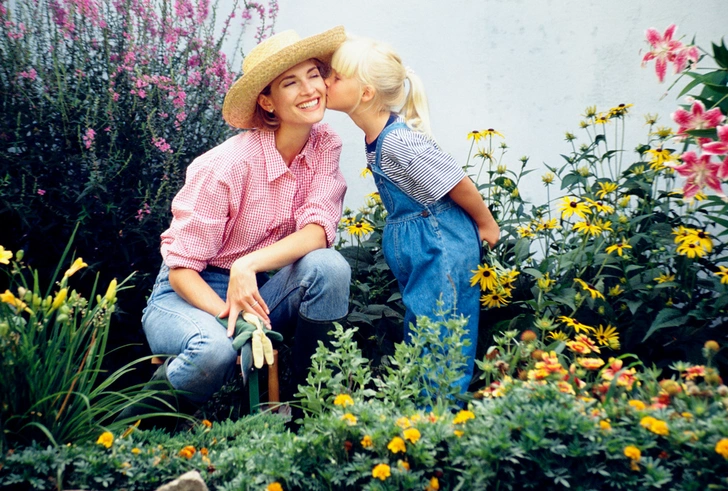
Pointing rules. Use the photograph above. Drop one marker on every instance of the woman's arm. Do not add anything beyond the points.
(467, 196)
(189, 285)
(243, 295)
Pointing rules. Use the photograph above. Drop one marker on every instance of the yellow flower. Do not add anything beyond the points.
(620, 110)
(572, 206)
(349, 418)
(590, 363)
(664, 278)
(615, 291)
(274, 486)
(207, 423)
(559, 336)
(381, 471)
(604, 425)
(136, 451)
(374, 197)
(637, 404)
(403, 422)
(619, 247)
(187, 452)
(486, 276)
(367, 442)
(110, 295)
(366, 171)
(397, 445)
(722, 447)
(545, 283)
(106, 439)
(602, 118)
(607, 336)
(590, 289)
(463, 416)
(547, 225)
(77, 264)
(656, 426)
(722, 274)
(434, 484)
(458, 433)
(475, 136)
(548, 178)
(490, 132)
(662, 131)
(632, 453)
(606, 188)
(60, 298)
(600, 206)
(590, 112)
(360, 228)
(343, 400)
(494, 300)
(587, 227)
(403, 464)
(690, 250)
(5, 255)
(412, 434)
(575, 324)
(525, 231)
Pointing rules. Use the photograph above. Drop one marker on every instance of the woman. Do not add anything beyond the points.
(267, 199)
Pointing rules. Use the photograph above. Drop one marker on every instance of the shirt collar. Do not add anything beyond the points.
(274, 163)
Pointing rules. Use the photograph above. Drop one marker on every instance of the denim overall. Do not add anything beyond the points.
(431, 249)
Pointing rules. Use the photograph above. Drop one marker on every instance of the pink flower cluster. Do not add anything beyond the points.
(667, 50)
(88, 138)
(162, 144)
(700, 170)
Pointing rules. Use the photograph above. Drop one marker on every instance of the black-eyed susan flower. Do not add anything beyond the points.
(575, 324)
(475, 135)
(559, 336)
(589, 288)
(600, 206)
(381, 472)
(360, 228)
(605, 188)
(616, 290)
(494, 299)
(525, 231)
(490, 132)
(588, 227)
(620, 110)
(722, 273)
(602, 118)
(486, 276)
(573, 206)
(665, 278)
(544, 224)
(691, 250)
(659, 157)
(607, 336)
(618, 247)
(366, 171)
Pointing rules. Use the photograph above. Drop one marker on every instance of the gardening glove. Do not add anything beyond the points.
(260, 344)
(245, 326)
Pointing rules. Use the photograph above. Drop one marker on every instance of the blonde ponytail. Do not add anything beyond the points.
(376, 64)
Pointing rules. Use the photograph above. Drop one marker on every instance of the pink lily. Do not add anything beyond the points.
(719, 148)
(665, 49)
(698, 118)
(700, 172)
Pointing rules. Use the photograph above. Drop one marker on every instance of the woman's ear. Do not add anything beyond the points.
(265, 103)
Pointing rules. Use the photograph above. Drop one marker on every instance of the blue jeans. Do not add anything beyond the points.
(315, 287)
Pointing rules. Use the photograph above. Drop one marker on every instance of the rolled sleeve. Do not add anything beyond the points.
(200, 215)
(326, 197)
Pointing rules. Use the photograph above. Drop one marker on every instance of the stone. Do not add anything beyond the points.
(189, 481)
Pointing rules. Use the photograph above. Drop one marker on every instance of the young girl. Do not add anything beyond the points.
(436, 216)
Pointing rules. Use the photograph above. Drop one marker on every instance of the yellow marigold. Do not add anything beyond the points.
(632, 452)
(604, 425)
(403, 422)
(433, 485)
(403, 464)
(412, 434)
(463, 416)
(722, 447)
(343, 400)
(274, 486)
(638, 405)
(381, 471)
(136, 451)
(187, 452)
(349, 418)
(207, 423)
(459, 433)
(106, 439)
(367, 442)
(397, 445)
(659, 427)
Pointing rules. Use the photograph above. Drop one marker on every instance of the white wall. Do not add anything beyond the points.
(527, 68)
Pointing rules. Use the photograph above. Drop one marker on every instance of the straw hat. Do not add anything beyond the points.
(269, 59)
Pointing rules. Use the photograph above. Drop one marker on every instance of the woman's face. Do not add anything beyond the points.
(344, 94)
(297, 96)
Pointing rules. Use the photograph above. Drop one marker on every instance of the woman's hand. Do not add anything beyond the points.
(243, 296)
(489, 233)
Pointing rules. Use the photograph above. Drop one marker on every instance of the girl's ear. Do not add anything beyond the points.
(367, 93)
(265, 103)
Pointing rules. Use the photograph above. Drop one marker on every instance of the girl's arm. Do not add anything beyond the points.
(467, 196)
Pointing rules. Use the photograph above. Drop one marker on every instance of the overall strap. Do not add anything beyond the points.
(380, 141)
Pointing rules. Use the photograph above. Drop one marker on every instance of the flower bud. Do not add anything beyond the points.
(528, 336)
(711, 345)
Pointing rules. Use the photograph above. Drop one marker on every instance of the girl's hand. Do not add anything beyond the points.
(243, 296)
(490, 234)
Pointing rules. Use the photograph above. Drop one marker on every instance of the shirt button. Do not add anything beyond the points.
(425, 213)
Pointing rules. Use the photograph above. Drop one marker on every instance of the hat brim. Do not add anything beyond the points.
(239, 106)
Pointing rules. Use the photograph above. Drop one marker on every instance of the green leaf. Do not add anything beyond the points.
(709, 133)
(666, 318)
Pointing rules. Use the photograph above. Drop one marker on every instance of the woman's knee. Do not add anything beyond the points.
(330, 266)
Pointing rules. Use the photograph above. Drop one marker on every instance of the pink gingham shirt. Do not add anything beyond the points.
(240, 197)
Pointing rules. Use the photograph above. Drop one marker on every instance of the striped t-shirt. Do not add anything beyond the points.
(414, 162)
